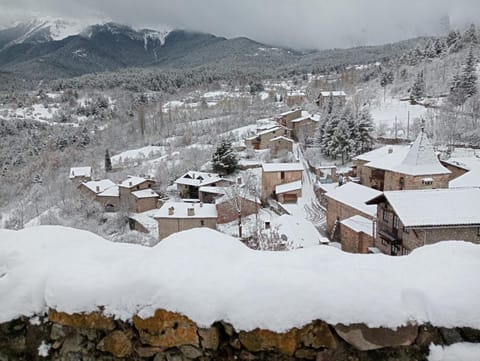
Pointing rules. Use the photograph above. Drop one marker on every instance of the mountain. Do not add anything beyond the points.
(45, 49)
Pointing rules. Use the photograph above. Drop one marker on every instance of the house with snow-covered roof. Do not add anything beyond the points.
(284, 118)
(413, 218)
(175, 217)
(357, 234)
(465, 171)
(80, 174)
(286, 175)
(109, 198)
(134, 183)
(261, 140)
(338, 97)
(92, 188)
(188, 185)
(145, 200)
(280, 145)
(346, 201)
(403, 167)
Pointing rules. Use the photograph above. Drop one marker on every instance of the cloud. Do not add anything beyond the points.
(294, 23)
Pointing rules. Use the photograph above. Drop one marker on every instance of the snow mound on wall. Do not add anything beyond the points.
(462, 351)
(209, 276)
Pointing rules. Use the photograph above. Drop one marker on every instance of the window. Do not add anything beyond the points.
(385, 215)
(404, 251)
(202, 222)
(282, 175)
(267, 225)
(396, 221)
(401, 182)
(427, 181)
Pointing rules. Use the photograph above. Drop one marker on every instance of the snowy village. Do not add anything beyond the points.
(177, 195)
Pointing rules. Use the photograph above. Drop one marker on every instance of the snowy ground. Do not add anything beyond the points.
(138, 154)
(463, 351)
(77, 271)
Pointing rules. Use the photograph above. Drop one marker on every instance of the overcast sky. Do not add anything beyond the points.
(295, 23)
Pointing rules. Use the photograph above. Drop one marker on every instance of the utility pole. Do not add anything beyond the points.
(408, 124)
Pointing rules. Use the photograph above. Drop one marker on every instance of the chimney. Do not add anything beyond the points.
(201, 205)
(98, 189)
(130, 183)
(239, 180)
(171, 210)
(190, 212)
(390, 150)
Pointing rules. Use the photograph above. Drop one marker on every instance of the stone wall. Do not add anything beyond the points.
(272, 179)
(338, 210)
(168, 226)
(354, 242)
(169, 336)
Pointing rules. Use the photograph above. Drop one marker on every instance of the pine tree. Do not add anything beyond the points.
(329, 126)
(469, 75)
(365, 131)
(418, 89)
(108, 162)
(224, 159)
(464, 85)
(386, 78)
(342, 143)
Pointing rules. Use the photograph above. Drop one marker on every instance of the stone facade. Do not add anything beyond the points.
(227, 213)
(145, 204)
(280, 145)
(168, 226)
(355, 242)
(386, 180)
(126, 191)
(339, 211)
(272, 179)
(456, 170)
(173, 337)
(392, 238)
(262, 139)
(109, 203)
(285, 118)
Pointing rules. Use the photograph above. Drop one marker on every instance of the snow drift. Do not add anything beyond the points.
(209, 276)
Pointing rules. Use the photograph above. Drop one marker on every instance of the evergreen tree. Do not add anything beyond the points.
(342, 143)
(470, 35)
(417, 92)
(469, 75)
(386, 78)
(464, 85)
(329, 126)
(108, 162)
(365, 131)
(224, 159)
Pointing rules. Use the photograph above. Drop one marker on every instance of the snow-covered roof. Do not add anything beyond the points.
(99, 186)
(469, 179)
(112, 191)
(145, 193)
(288, 112)
(133, 181)
(419, 159)
(198, 179)
(200, 264)
(80, 172)
(282, 167)
(355, 195)
(301, 119)
(359, 224)
(180, 210)
(214, 190)
(436, 207)
(390, 151)
(288, 187)
(337, 93)
(281, 137)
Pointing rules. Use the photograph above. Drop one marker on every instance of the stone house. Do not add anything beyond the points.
(302, 126)
(175, 217)
(227, 208)
(465, 171)
(92, 188)
(326, 173)
(280, 145)
(289, 192)
(346, 201)
(339, 97)
(188, 185)
(295, 98)
(415, 167)
(145, 200)
(357, 234)
(275, 174)
(133, 183)
(80, 174)
(410, 219)
(284, 118)
(109, 199)
(262, 139)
